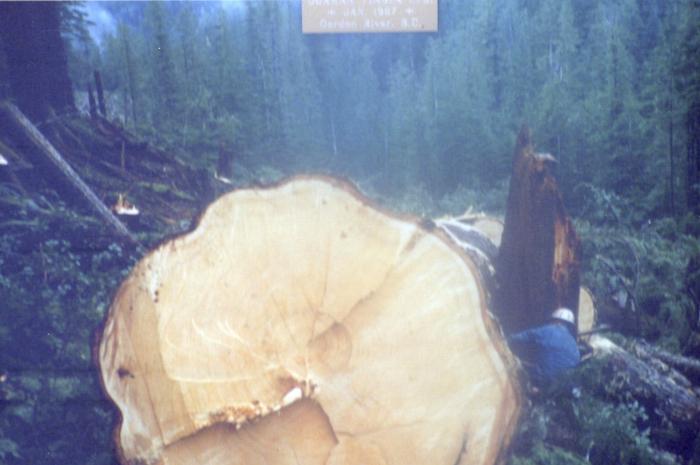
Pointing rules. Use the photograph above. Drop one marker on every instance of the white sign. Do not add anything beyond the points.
(347, 16)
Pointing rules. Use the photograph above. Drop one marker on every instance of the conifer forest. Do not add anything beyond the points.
(120, 121)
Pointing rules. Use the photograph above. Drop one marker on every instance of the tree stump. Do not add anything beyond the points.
(539, 258)
(300, 325)
(479, 235)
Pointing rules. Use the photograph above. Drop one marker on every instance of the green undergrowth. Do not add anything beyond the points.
(576, 421)
(639, 270)
(58, 273)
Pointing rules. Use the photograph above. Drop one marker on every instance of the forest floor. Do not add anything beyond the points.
(60, 264)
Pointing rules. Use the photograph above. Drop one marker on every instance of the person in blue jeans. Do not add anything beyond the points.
(548, 351)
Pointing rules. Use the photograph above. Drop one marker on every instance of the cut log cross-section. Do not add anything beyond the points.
(300, 325)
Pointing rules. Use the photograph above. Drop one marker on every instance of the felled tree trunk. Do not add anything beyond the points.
(538, 262)
(299, 325)
(478, 236)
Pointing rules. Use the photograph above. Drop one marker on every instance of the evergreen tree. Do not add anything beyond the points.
(263, 127)
(36, 57)
(166, 106)
(660, 105)
(609, 104)
(223, 58)
(300, 95)
(402, 163)
(554, 109)
(688, 70)
(351, 98)
(608, 86)
(131, 71)
(458, 102)
(83, 53)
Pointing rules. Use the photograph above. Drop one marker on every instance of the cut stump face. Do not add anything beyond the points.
(299, 325)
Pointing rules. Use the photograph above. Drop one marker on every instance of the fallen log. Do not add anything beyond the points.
(298, 324)
(489, 226)
(477, 236)
(12, 114)
(661, 389)
(687, 366)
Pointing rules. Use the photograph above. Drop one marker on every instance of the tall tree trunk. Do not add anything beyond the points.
(693, 153)
(36, 57)
(91, 102)
(100, 94)
(130, 76)
(671, 158)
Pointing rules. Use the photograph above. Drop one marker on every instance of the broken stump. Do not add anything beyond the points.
(538, 265)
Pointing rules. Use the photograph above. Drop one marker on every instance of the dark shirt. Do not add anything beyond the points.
(546, 351)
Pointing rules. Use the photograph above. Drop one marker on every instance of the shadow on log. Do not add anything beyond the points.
(537, 269)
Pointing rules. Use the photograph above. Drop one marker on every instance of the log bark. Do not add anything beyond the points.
(299, 324)
(13, 114)
(539, 257)
(478, 236)
(688, 366)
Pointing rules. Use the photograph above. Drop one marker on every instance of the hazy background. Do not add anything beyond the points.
(603, 84)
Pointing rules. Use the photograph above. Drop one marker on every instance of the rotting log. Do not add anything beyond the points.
(539, 258)
(299, 324)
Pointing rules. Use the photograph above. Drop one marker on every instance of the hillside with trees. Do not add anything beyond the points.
(608, 88)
